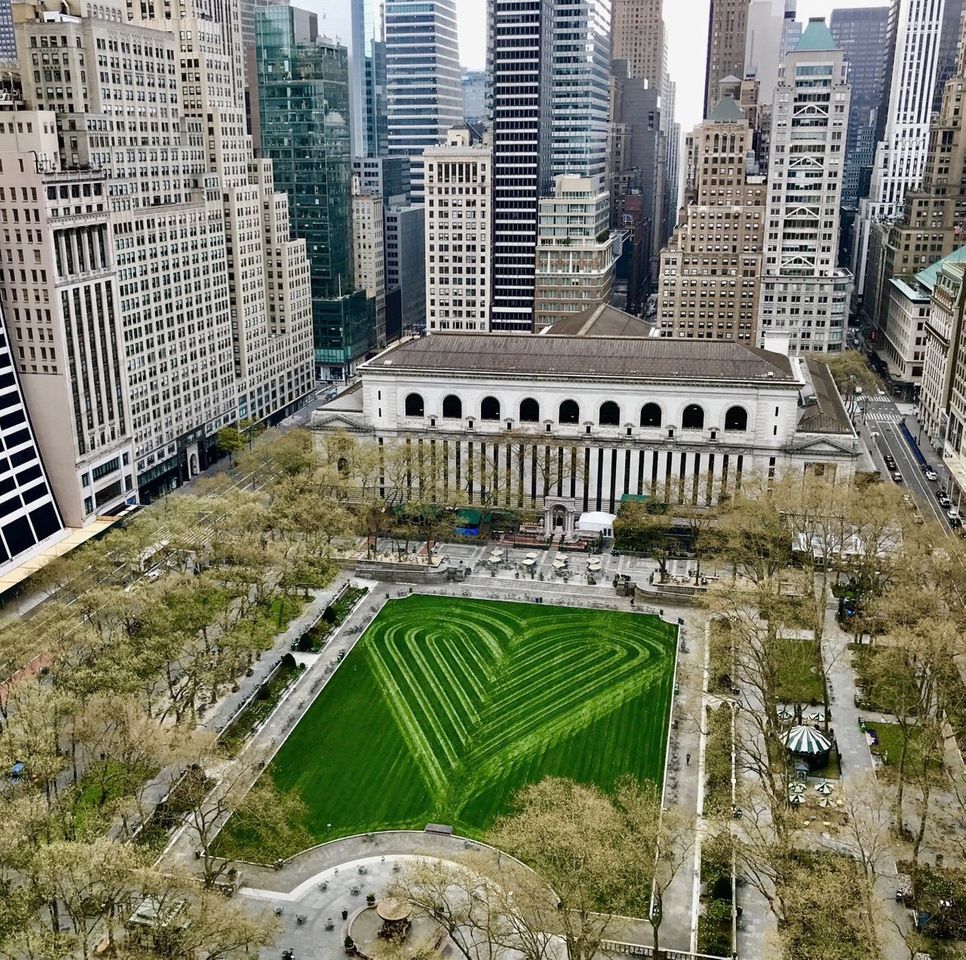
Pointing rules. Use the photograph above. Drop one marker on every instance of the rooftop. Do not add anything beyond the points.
(828, 413)
(602, 321)
(816, 37)
(588, 357)
(928, 276)
(727, 111)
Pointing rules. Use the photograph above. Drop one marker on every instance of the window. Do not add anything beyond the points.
(569, 412)
(650, 415)
(693, 417)
(529, 410)
(414, 405)
(452, 407)
(610, 414)
(736, 419)
(490, 409)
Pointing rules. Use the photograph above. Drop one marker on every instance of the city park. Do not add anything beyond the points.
(728, 730)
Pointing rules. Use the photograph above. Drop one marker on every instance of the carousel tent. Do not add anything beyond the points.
(809, 743)
(596, 524)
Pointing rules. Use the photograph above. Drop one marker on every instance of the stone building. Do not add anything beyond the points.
(576, 421)
(710, 271)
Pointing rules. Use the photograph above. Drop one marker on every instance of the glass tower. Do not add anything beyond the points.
(303, 92)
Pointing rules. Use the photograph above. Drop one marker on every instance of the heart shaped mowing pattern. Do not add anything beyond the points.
(485, 688)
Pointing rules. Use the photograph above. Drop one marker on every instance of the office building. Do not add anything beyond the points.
(459, 185)
(387, 176)
(727, 26)
(900, 155)
(367, 78)
(576, 252)
(804, 295)
(405, 243)
(8, 42)
(772, 32)
(638, 36)
(164, 298)
(303, 81)
(519, 64)
(474, 96)
(423, 79)
(862, 34)
(29, 518)
(931, 224)
(368, 254)
(710, 271)
(579, 88)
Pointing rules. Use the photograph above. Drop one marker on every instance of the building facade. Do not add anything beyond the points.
(163, 287)
(368, 253)
(727, 26)
(772, 32)
(519, 61)
(804, 295)
(577, 422)
(303, 93)
(405, 239)
(933, 220)
(423, 78)
(387, 176)
(576, 253)
(638, 36)
(900, 155)
(459, 191)
(711, 271)
(863, 35)
(29, 518)
(580, 71)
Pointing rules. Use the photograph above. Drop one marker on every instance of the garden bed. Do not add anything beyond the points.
(316, 637)
(262, 704)
(800, 678)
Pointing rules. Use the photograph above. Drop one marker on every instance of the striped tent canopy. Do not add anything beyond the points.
(807, 740)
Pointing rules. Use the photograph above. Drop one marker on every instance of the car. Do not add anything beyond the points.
(930, 474)
(896, 476)
(890, 460)
(944, 501)
(954, 518)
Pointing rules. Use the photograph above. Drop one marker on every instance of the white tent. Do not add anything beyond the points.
(596, 524)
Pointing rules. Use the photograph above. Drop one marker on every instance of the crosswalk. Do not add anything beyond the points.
(882, 415)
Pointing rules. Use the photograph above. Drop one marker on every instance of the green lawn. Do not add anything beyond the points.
(447, 707)
(800, 677)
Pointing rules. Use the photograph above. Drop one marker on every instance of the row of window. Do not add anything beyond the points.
(609, 414)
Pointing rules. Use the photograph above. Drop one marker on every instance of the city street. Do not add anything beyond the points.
(878, 419)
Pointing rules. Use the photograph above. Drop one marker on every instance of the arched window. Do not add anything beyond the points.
(452, 407)
(569, 412)
(736, 419)
(490, 409)
(650, 415)
(610, 414)
(529, 411)
(414, 405)
(693, 417)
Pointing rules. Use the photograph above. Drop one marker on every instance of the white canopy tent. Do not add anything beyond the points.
(596, 524)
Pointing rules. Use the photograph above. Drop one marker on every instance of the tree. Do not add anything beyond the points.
(230, 440)
(646, 528)
(851, 374)
(602, 857)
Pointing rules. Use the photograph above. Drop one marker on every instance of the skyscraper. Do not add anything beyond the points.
(804, 295)
(423, 78)
(519, 54)
(727, 25)
(638, 36)
(8, 44)
(901, 153)
(367, 78)
(303, 95)
(719, 238)
(580, 86)
(165, 298)
(933, 219)
(862, 33)
(772, 31)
